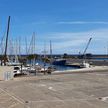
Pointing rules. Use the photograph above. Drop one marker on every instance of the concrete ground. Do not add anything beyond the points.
(77, 90)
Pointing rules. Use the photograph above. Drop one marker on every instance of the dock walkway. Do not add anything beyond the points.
(78, 90)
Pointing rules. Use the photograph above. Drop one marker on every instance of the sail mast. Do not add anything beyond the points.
(50, 52)
(5, 54)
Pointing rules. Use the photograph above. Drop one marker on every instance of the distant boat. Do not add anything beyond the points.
(59, 62)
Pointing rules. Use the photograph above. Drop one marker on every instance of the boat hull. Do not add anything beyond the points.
(59, 62)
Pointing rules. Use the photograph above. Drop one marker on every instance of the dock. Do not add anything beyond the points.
(78, 90)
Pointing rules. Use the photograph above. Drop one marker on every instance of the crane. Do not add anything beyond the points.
(85, 64)
(87, 46)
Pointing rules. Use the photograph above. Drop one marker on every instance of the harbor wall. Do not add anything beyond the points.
(90, 61)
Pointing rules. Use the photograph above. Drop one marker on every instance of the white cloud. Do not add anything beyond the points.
(75, 42)
(72, 43)
(95, 34)
(83, 22)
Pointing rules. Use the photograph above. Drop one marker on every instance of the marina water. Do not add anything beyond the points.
(57, 67)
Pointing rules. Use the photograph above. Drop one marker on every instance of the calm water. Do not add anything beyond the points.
(59, 68)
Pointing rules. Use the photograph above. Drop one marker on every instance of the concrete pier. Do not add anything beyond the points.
(78, 90)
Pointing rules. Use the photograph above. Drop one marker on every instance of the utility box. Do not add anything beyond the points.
(6, 73)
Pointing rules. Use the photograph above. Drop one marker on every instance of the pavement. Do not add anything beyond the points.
(77, 90)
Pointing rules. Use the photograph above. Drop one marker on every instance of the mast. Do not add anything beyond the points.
(16, 51)
(50, 52)
(26, 46)
(5, 54)
(34, 43)
(33, 48)
(44, 56)
(1, 44)
(19, 46)
(45, 50)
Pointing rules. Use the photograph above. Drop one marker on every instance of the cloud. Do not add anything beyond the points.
(74, 42)
(83, 22)
(96, 34)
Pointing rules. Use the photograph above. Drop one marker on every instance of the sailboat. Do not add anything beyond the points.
(6, 45)
(13, 60)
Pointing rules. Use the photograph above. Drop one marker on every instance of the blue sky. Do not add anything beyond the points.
(68, 23)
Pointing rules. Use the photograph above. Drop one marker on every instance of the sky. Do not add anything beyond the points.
(67, 23)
